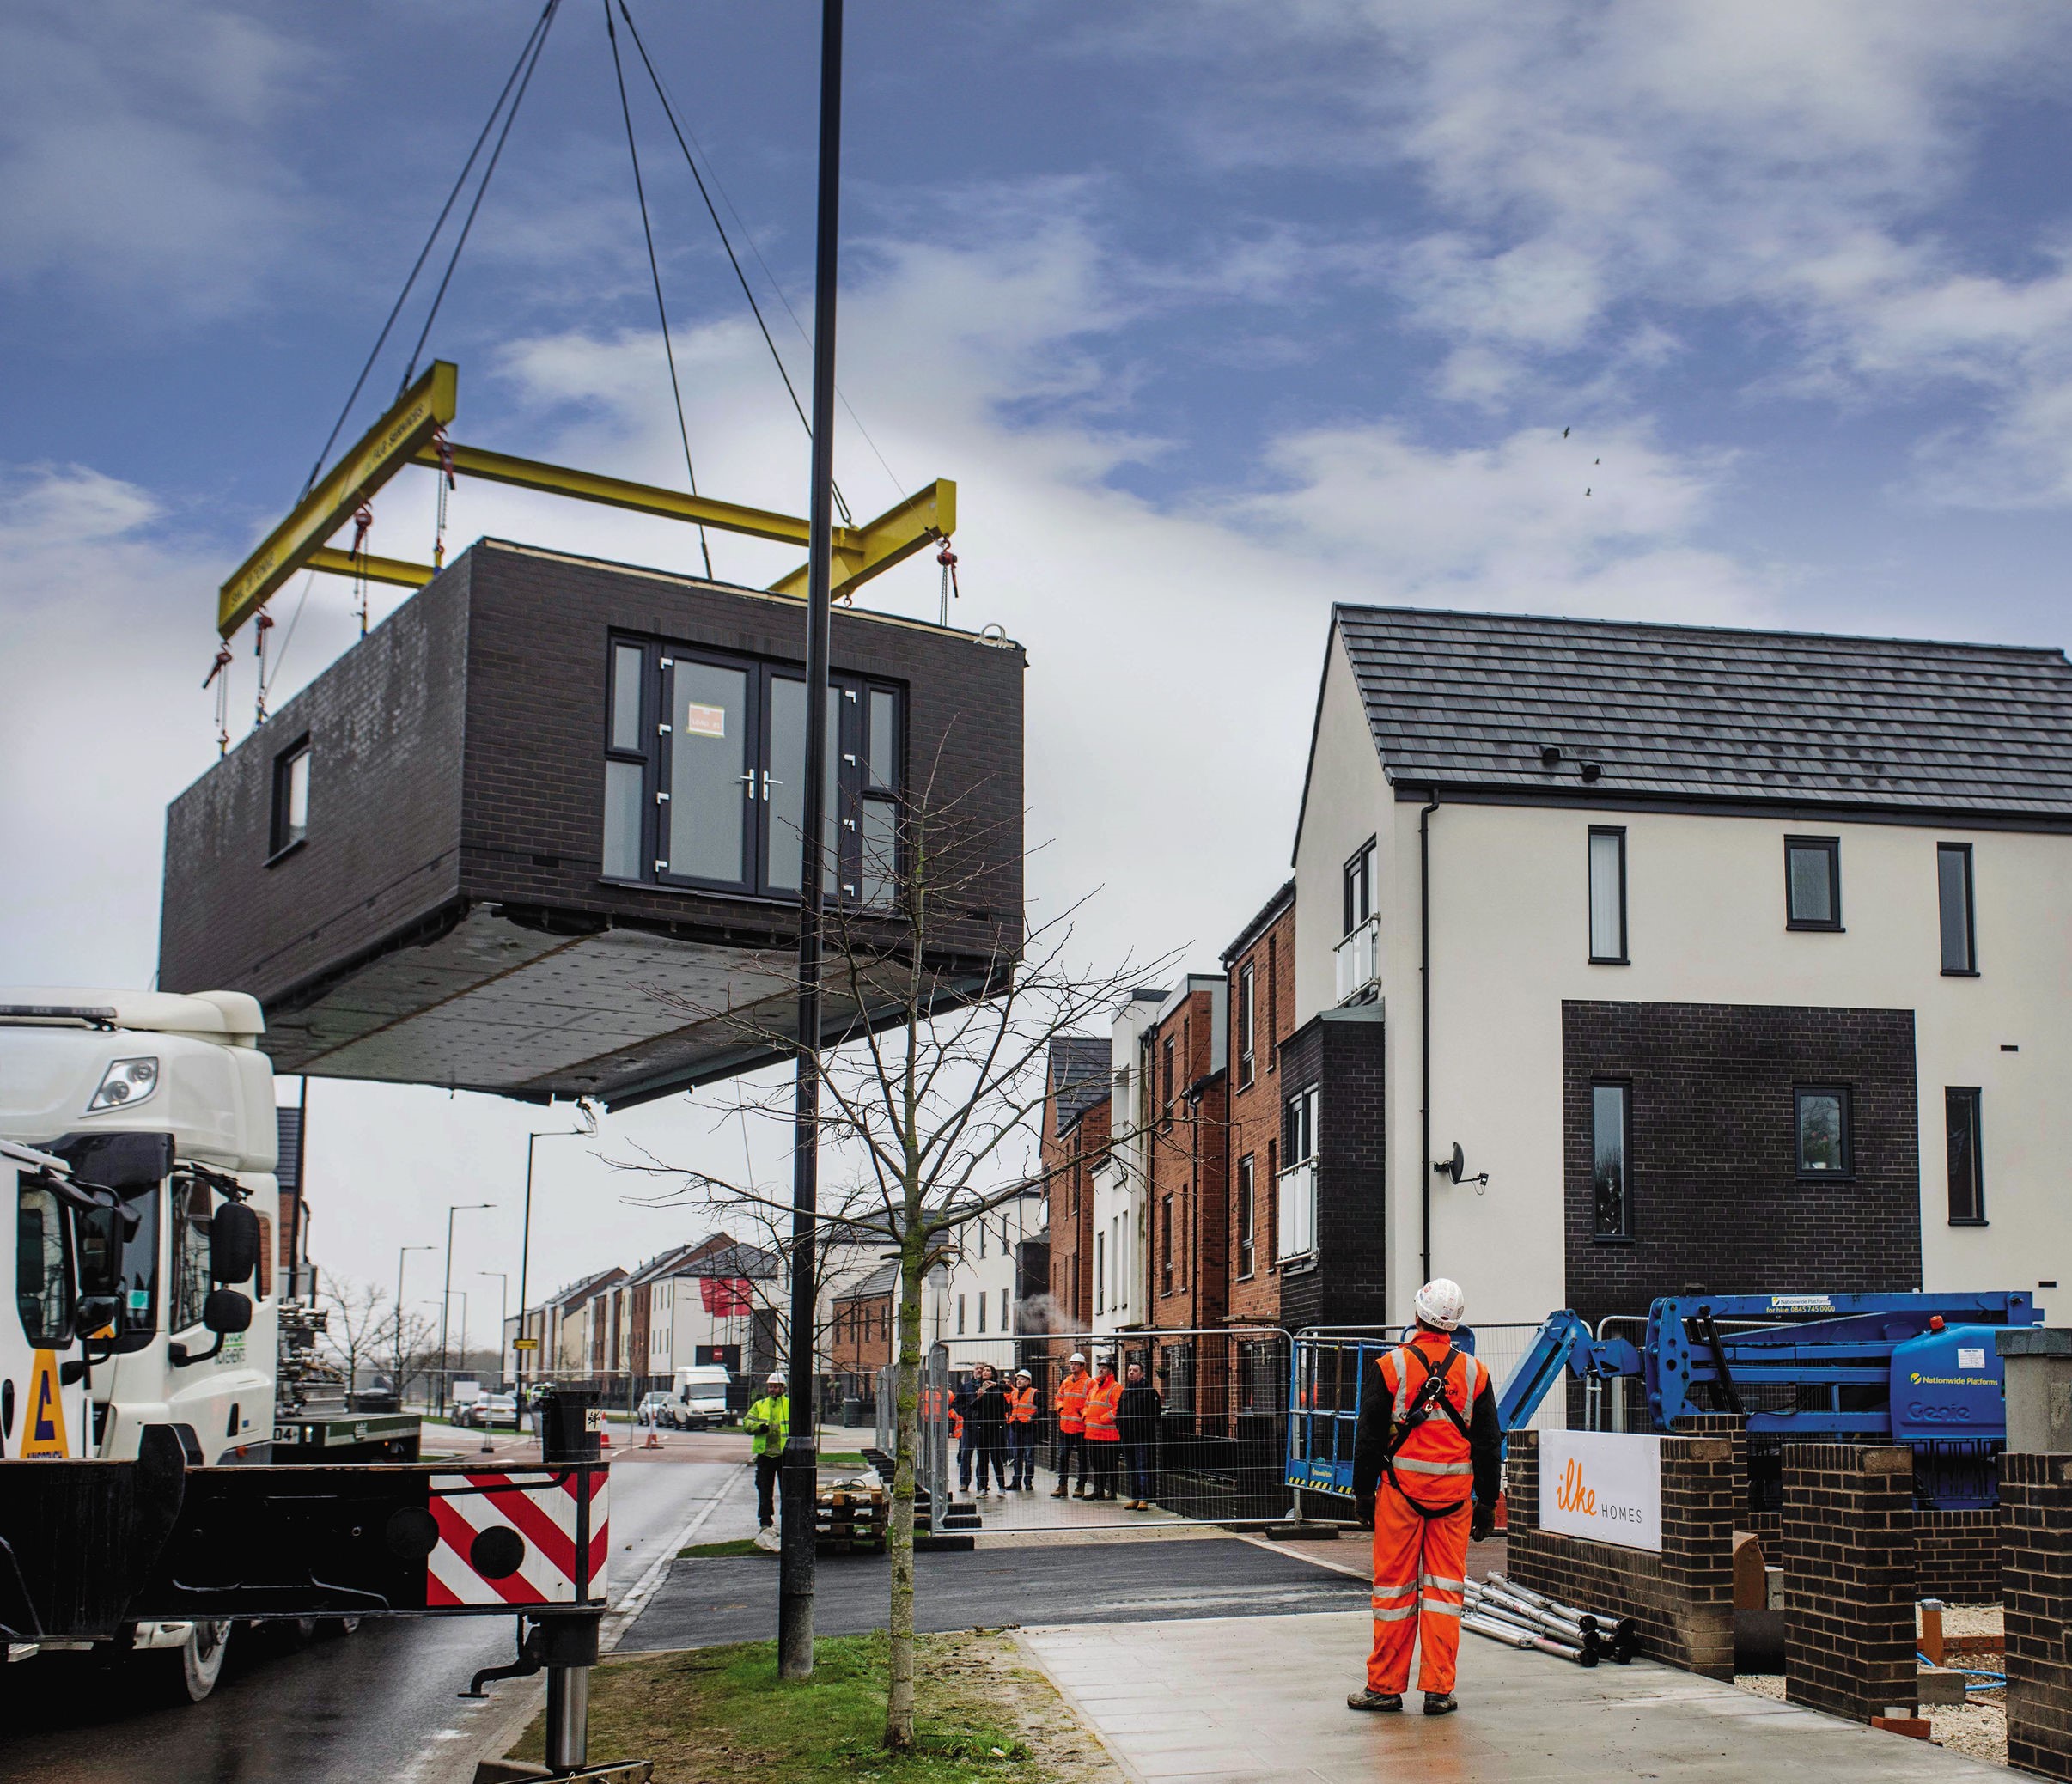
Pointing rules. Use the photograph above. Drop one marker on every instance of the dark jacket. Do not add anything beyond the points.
(987, 1415)
(1377, 1422)
(1137, 1414)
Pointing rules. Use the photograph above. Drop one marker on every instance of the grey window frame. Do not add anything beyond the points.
(1247, 1212)
(1247, 1014)
(280, 844)
(1626, 1235)
(1622, 958)
(1973, 1100)
(1359, 869)
(1970, 969)
(1832, 846)
(1799, 1091)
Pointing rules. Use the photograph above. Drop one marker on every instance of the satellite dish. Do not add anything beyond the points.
(1452, 1168)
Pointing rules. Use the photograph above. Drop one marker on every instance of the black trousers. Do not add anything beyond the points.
(766, 1468)
(1071, 1444)
(1105, 1456)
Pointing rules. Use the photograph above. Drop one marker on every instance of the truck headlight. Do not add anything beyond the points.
(125, 1082)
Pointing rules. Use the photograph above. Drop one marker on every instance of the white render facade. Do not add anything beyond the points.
(1707, 927)
(971, 1303)
(1121, 1193)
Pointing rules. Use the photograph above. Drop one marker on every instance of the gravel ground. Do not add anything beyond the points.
(1978, 1730)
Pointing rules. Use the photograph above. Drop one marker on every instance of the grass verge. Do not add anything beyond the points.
(705, 1551)
(984, 1717)
(843, 1459)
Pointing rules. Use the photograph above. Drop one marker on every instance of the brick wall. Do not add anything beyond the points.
(1342, 1052)
(1190, 1169)
(1255, 1107)
(1848, 1555)
(1682, 1597)
(2036, 1584)
(1713, 1166)
(1957, 1555)
(1068, 1162)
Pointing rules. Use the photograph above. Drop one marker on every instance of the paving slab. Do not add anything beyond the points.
(1229, 1699)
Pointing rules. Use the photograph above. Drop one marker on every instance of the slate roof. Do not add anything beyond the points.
(1078, 1075)
(882, 1280)
(1468, 700)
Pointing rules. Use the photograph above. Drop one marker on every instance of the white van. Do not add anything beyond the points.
(699, 1397)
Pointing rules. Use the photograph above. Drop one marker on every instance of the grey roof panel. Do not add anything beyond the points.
(1670, 711)
(1079, 1075)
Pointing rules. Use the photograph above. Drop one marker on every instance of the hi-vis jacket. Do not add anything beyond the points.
(1072, 1403)
(1434, 1463)
(1021, 1405)
(1102, 1399)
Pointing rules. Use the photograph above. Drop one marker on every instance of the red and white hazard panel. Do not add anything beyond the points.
(512, 1538)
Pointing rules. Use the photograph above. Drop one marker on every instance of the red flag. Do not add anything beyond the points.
(725, 1297)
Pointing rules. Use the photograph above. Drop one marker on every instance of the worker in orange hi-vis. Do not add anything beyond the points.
(1427, 1468)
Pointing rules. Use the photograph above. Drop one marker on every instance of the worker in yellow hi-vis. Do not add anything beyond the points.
(769, 1423)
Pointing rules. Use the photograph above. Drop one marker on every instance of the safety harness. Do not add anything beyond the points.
(1429, 1400)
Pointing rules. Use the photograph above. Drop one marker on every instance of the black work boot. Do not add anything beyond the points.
(1440, 1703)
(1388, 1702)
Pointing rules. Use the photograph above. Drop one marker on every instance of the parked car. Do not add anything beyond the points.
(487, 1411)
(656, 1410)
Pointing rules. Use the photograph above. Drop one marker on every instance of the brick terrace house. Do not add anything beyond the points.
(1722, 957)
(861, 1340)
(1074, 1140)
(1260, 966)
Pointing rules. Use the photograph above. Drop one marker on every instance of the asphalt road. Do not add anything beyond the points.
(708, 1601)
(373, 1705)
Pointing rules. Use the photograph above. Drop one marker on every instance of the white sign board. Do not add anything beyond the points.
(1604, 1486)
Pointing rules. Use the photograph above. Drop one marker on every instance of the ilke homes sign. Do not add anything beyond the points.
(1604, 1486)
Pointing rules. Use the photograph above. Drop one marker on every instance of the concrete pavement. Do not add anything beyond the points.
(1250, 1700)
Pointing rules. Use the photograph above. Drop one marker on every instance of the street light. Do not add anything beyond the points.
(503, 1309)
(446, 1305)
(401, 1251)
(525, 1242)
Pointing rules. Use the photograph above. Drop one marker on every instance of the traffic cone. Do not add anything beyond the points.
(654, 1440)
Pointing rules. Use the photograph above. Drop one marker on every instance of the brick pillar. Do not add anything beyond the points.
(2036, 1589)
(1848, 1553)
(1733, 1427)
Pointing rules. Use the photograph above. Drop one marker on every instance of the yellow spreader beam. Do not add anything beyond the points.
(406, 435)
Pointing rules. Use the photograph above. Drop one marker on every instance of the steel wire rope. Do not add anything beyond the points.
(489, 173)
(733, 260)
(424, 253)
(661, 309)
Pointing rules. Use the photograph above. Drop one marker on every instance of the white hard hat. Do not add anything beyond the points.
(1023, 1375)
(1077, 1356)
(774, 1380)
(1441, 1303)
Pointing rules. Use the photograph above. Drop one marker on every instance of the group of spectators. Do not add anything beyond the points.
(1100, 1423)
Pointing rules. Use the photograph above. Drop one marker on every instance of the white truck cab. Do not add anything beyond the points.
(168, 1101)
(43, 1396)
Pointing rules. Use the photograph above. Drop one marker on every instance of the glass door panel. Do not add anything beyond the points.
(711, 786)
(785, 793)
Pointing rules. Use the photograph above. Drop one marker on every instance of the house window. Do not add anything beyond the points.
(1166, 1068)
(982, 1241)
(982, 1302)
(1967, 1158)
(1823, 1127)
(1004, 1310)
(1273, 1001)
(1611, 1195)
(1247, 1218)
(714, 746)
(1246, 1011)
(1360, 887)
(961, 1316)
(1954, 895)
(1607, 897)
(1300, 1136)
(1812, 882)
(1100, 1273)
(291, 798)
(1164, 1245)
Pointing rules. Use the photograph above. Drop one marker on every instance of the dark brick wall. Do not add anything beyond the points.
(1190, 1169)
(1255, 1111)
(1713, 1172)
(2035, 1587)
(1848, 1555)
(1682, 1597)
(1957, 1555)
(1342, 1052)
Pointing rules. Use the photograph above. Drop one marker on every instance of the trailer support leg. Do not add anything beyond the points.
(570, 1648)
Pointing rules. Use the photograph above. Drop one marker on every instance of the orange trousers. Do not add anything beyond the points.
(1420, 1580)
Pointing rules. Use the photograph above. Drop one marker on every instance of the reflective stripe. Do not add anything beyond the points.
(1403, 1616)
(1413, 1467)
(1443, 1584)
(1402, 1362)
(1440, 1607)
(1394, 1592)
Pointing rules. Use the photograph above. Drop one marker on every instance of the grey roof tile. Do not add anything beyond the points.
(1078, 1075)
(1470, 699)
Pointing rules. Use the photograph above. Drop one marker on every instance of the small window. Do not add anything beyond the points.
(1165, 1244)
(291, 797)
(1360, 887)
(43, 1271)
(1953, 894)
(1247, 1218)
(1166, 1069)
(982, 1297)
(1299, 1134)
(1611, 1194)
(1101, 1275)
(1246, 1011)
(1004, 1310)
(1812, 882)
(1823, 1130)
(1967, 1158)
(961, 1316)
(1607, 897)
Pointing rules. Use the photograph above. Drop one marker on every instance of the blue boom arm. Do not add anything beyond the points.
(1563, 1341)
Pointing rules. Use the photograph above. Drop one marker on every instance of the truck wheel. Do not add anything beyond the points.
(201, 1658)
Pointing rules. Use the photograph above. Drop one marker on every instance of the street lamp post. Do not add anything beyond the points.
(446, 1303)
(525, 1242)
(401, 1251)
(503, 1310)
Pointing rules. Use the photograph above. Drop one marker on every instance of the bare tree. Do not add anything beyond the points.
(930, 1106)
(359, 1326)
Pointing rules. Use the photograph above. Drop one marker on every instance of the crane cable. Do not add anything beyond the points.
(661, 309)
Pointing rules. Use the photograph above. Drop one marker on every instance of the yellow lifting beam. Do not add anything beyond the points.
(406, 435)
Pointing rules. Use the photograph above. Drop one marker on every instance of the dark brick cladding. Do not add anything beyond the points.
(1716, 1198)
(1342, 1052)
(2036, 1584)
(1848, 1554)
(459, 757)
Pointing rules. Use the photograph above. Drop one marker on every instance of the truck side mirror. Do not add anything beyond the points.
(97, 1313)
(234, 1247)
(227, 1311)
(98, 1232)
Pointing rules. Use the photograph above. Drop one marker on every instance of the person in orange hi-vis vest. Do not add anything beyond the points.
(1022, 1405)
(1426, 1472)
(1072, 1425)
(1103, 1439)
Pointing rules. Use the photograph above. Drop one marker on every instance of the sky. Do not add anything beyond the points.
(1218, 313)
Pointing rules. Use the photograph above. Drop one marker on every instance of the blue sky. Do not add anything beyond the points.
(1218, 312)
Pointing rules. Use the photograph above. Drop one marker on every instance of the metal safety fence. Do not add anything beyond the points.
(1201, 1431)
